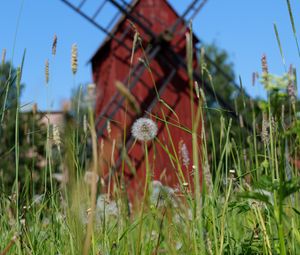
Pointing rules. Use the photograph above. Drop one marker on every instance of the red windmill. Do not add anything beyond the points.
(157, 79)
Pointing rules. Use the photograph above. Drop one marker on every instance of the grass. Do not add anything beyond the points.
(247, 202)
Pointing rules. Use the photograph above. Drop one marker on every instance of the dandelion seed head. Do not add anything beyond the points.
(144, 129)
(106, 207)
(90, 177)
(162, 195)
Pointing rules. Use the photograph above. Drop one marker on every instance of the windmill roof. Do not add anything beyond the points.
(121, 20)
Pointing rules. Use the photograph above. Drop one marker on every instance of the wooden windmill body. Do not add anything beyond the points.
(162, 92)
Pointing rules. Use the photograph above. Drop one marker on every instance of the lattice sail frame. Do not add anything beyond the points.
(119, 8)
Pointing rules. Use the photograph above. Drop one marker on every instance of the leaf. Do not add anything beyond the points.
(261, 196)
(296, 211)
(279, 43)
(290, 187)
(293, 24)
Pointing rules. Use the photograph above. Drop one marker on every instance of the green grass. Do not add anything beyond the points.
(248, 201)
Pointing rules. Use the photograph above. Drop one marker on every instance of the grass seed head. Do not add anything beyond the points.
(264, 130)
(264, 64)
(184, 154)
(74, 59)
(54, 44)
(291, 85)
(47, 71)
(265, 69)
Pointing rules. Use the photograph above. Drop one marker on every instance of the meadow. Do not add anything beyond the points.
(248, 201)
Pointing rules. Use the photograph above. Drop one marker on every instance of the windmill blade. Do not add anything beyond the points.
(228, 106)
(92, 17)
(189, 14)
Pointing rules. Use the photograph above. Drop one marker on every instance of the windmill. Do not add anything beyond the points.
(156, 77)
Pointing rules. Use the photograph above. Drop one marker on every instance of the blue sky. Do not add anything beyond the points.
(244, 28)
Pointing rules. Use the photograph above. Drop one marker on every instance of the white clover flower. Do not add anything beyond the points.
(144, 129)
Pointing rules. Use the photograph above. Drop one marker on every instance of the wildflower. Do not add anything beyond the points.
(144, 129)
(54, 43)
(74, 63)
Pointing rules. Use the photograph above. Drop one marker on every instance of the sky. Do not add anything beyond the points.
(244, 28)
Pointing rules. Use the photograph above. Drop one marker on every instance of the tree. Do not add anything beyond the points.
(32, 137)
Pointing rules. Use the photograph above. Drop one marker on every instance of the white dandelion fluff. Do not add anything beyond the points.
(162, 195)
(90, 177)
(144, 129)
